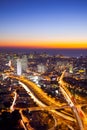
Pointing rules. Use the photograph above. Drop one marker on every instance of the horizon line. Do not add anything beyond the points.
(24, 47)
(45, 44)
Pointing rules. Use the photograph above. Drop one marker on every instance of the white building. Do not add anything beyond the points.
(19, 67)
(71, 68)
(24, 63)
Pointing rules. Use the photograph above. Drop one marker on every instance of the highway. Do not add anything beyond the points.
(68, 98)
(47, 103)
(43, 100)
(40, 97)
(13, 103)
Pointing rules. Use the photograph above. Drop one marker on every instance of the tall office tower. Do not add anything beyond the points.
(71, 68)
(19, 67)
(24, 63)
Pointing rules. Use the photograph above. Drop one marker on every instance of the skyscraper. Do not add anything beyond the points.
(24, 63)
(19, 67)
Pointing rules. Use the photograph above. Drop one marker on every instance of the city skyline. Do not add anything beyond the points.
(43, 23)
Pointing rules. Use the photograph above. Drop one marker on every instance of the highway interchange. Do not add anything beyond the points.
(47, 103)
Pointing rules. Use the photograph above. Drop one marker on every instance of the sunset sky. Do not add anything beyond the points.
(43, 23)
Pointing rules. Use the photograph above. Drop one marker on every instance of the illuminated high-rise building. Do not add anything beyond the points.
(71, 68)
(19, 67)
(24, 63)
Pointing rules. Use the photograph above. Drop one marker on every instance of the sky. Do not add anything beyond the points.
(43, 23)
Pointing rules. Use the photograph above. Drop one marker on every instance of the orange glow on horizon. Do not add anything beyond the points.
(44, 44)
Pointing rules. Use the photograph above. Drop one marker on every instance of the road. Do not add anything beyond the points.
(68, 98)
(43, 100)
(40, 97)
